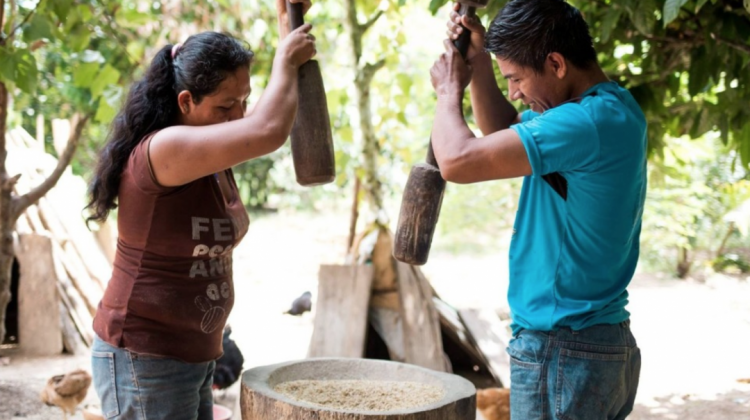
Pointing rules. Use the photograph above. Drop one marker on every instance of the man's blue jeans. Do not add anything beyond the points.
(135, 386)
(590, 374)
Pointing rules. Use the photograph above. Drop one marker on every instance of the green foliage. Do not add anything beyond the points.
(687, 62)
(692, 188)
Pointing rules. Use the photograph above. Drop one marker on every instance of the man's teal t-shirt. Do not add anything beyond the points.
(572, 258)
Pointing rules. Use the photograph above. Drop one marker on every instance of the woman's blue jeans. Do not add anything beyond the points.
(590, 374)
(136, 386)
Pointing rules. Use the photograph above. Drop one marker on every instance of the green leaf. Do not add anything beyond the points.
(724, 128)
(699, 4)
(26, 71)
(671, 10)
(700, 71)
(404, 83)
(79, 38)
(644, 18)
(609, 22)
(104, 112)
(131, 18)
(747, 5)
(83, 75)
(7, 66)
(435, 5)
(108, 75)
(744, 145)
(61, 9)
(85, 12)
(38, 27)
(346, 134)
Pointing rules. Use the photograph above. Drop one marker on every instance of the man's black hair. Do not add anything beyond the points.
(527, 31)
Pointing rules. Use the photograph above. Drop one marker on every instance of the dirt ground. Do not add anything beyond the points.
(693, 334)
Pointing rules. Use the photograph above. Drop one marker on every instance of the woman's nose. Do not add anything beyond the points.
(237, 113)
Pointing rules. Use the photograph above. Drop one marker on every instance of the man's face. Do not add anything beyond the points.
(539, 91)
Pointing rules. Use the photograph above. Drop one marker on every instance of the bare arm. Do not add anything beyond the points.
(466, 159)
(181, 154)
(492, 111)
(462, 157)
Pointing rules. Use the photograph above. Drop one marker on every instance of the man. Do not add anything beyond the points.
(582, 152)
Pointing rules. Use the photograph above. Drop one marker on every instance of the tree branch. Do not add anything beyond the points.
(3, 126)
(21, 203)
(25, 19)
(369, 70)
(371, 21)
(736, 45)
(2, 17)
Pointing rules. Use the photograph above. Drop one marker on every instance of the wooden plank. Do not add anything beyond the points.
(39, 330)
(387, 323)
(72, 340)
(341, 311)
(423, 345)
(73, 300)
(387, 299)
(492, 337)
(69, 212)
(451, 322)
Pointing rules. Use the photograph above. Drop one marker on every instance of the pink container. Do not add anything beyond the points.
(222, 413)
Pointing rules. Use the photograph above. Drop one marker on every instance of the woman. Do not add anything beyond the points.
(167, 168)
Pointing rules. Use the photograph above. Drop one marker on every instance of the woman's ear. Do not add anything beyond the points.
(185, 101)
(556, 62)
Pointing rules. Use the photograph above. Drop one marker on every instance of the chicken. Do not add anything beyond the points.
(66, 391)
(301, 305)
(494, 403)
(229, 365)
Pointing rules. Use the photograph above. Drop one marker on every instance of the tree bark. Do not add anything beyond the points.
(364, 73)
(6, 225)
(354, 215)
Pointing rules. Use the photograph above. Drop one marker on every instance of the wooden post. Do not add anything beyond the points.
(39, 324)
(341, 311)
(423, 345)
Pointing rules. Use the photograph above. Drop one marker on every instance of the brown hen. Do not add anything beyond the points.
(66, 391)
(494, 403)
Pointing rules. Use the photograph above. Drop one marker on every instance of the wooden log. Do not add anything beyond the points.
(35, 222)
(423, 345)
(492, 338)
(389, 326)
(341, 311)
(72, 299)
(452, 324)
(259, 401)
(39, 330)
(72, 340)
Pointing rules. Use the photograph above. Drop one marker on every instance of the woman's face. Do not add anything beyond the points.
(227, 103)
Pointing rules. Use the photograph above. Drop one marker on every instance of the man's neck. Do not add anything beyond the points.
(586, 79)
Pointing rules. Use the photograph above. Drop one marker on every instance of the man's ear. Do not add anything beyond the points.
(185, 101)
(557, 64)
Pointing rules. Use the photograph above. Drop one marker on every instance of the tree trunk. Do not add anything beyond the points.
(6, 217)
(683, 263)
(12, 206)
(354, 215)
(364, 73)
